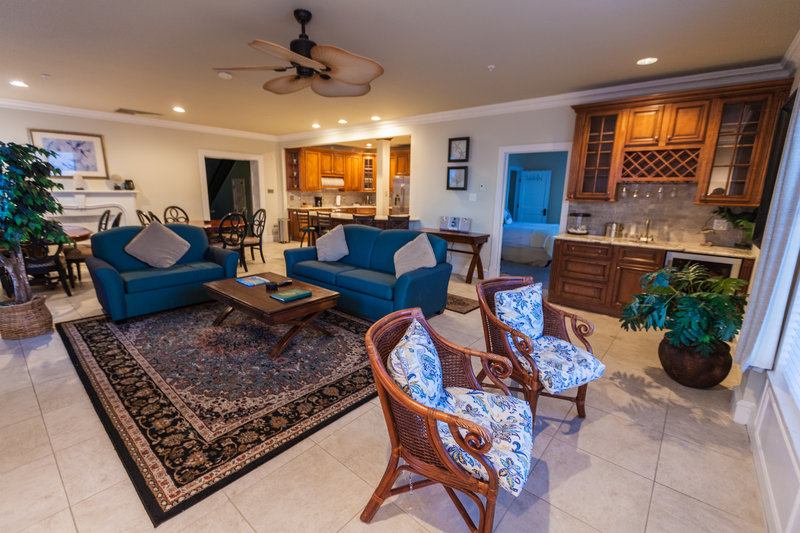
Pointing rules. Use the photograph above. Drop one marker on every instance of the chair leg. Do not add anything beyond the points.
(383, 489)
(261, 252)
(62, 277)
(580, 400)
(302, 238)
(533, 399)
(78, 270)
(242, 258)
(71, 275)
(252, 253)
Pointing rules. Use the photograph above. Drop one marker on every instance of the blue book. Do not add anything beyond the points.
(291, 294)
(252, 281)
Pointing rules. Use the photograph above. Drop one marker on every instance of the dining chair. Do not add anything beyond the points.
(77, 254)
(144, 220)
(304, 226)
(153, 218)
(232, 230)
(448, 443)
(102, 224)
(367, 220)
(397, 222)
(257, 225)
(173, 213)
(324, 223)
(117, 219)
(40, 264)
(521, 350)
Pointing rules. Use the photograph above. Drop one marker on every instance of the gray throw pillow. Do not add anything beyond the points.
(158, 246)
(415, 254)
(332, 246)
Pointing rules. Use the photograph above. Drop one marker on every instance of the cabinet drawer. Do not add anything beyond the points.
(634, 255)
(585, 269)
(575, 292)
(600, 251)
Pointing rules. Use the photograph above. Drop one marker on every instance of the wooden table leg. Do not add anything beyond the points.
(295, 329)
(222, 316)
(476, 261)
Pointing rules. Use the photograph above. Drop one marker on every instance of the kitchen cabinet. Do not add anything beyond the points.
(718, 138)
(332, 163)
(403, 162)
(368, 173)
(602, 277)
(302, 170)
(352, 172)
(292, 170)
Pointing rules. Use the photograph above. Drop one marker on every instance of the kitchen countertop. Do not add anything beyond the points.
(332, 207)
(349, 216)
(672, 246)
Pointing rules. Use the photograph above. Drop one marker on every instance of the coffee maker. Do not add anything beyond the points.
(318, 201)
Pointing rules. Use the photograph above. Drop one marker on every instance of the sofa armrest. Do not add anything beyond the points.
(108, 287)
(227, 259)
(296, 255)
(423, 287)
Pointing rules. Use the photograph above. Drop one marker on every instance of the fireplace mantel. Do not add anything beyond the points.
(88, 203)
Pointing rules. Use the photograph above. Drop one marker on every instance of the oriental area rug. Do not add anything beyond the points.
(190, 407)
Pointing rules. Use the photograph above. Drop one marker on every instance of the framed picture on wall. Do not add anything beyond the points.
(75, 153)
(458, 150)
(457, 178)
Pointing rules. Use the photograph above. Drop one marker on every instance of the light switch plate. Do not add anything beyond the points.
(473, 197)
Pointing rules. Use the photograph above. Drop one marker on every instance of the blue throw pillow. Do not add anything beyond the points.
(414, 365)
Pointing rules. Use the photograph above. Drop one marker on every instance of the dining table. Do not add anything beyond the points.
(76, 233)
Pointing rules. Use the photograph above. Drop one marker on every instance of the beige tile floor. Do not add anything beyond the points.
(650, 456)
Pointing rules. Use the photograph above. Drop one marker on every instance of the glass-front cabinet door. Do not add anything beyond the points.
(594, 172)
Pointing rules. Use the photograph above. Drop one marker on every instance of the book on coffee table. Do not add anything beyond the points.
(252, 281)
(291, 294)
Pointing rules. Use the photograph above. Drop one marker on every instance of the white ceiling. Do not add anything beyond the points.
(152, 54)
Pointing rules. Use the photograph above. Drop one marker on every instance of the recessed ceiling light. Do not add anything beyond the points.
(178, 109)
(369, 145)
(315, 125)
(491, 68)
(342, 121)
(18, 83)
(646, 61)
(223, 75)
(375, 117)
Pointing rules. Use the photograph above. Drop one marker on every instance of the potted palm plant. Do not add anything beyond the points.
(25, 199)
(699, 314)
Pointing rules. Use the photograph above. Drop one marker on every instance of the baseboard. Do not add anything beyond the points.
(743, 411)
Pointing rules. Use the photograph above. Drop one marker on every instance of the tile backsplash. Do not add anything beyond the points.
(676, 219)
(297, 199)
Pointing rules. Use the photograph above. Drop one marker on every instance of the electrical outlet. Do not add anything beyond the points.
(720, 225)
(473, 197)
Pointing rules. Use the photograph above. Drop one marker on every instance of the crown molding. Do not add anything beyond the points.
(23, 105)
(768, 72)
(791, 59)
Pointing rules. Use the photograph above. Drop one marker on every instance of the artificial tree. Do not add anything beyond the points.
(25, 199)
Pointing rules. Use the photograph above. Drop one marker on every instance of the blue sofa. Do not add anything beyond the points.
(127, 287)
(366, 277)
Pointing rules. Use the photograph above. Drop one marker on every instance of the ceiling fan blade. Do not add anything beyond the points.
(280, 68)
(336, 88)
(346, 66)
(287, 84)
(276, 50)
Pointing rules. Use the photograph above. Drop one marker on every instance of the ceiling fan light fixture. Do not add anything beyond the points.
(225, 75)
(18, 83)
(646, 60)
(178, 109)
(375, 118)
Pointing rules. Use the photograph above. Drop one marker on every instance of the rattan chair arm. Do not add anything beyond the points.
(522, 342)
(497, 367)
(580, 327)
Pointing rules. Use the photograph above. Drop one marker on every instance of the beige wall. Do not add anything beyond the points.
(162, 162)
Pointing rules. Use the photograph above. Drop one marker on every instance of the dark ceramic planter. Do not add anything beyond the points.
(691, 369)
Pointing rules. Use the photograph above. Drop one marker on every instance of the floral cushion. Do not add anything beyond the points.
(510, 424)
(414, 365)
(561, 365)
(521, 309)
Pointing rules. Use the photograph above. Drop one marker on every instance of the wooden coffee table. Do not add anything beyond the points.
(256, 302)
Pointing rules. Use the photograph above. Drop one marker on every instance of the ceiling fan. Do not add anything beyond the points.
(328, 70)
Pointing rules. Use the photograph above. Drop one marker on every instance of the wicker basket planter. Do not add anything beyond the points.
(21, 321)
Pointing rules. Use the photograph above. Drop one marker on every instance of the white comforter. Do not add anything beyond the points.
(530, 234)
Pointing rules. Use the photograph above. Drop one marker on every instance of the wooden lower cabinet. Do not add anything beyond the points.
(631, 264)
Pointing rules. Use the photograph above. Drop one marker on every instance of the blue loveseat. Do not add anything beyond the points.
(127, 287)
(366, 277)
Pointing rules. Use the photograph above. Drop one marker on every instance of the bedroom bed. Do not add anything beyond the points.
(528, 242)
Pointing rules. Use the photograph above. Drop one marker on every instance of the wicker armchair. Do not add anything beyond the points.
(413, 429)
(555, 325)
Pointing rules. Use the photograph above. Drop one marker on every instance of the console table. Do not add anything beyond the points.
(474, 240)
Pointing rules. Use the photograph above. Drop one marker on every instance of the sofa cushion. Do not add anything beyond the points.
(360, 241)
(109, 245)
(158, 246)
(372, 282)
(325, 271)
(562, 365)
(413, 255)
(151, 279)
(332, 246)
(414, 365)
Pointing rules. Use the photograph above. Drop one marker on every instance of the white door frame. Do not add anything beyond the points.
(502, 187)
(258, 183)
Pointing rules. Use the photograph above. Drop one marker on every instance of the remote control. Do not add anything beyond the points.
(287, 282)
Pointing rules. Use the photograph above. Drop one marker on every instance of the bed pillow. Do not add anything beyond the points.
(507, 217)
(332, 246)
(413, 255)
(157, 246)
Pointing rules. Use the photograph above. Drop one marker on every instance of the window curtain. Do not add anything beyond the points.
(771, 288)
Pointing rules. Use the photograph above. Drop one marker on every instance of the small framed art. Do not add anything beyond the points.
(457, 178)
(75, 153)
(458, 150)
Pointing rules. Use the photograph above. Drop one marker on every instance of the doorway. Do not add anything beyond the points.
(229, 187)
(530, 207)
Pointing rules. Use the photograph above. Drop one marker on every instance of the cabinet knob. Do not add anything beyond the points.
(599, 252)
(669, 137)
(655, 138)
